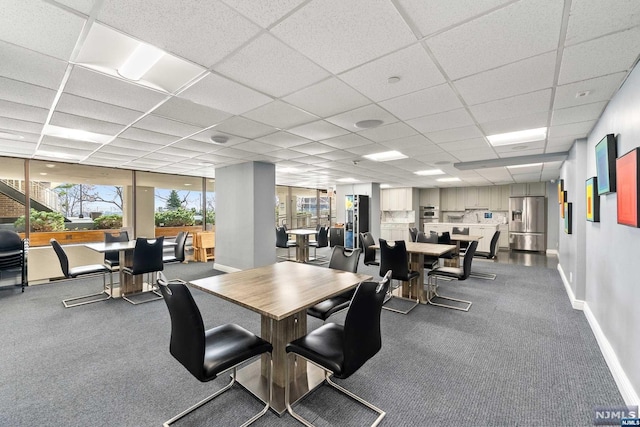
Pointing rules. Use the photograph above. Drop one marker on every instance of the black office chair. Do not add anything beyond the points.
(445, 239)
(369, 253)
(72, 273)
(112, 258)
(13, 256)
(283, 242)
(322, 241)
(341, 350)
(492, 248)
(413, 232)
(459, 273)
(340, 260)
(147, 259)
(396, 259)
(207, 353)
(178, 249)
(430, 262)
(463, 231)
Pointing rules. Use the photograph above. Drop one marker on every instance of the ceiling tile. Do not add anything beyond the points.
(327, 98)
(337, 34)
(318, 131)
(514, 106)
(208, 30)
(280, 115)
(606, 55)
(388, 132)
(580, 129)
(205, 136)
(198, 146)
(22, 112)
(479, 144)
(283, 139)
(130, 147)
(166, 126)
(264, 13)
(25, 93)
(370, 112)
(31, 67)
(338, 155)
(525, 76)
(189, 112)
(272, 67)
(535, 145)
(516, 39)
(20, 125)
(8, 147)
(89, 84)
(222, 94)
(83, 123)
(344, 142)
(475, 154)
(313, 148)
(95, 110)
(447, 120)
(589, 19)
(41, 27)
(256, 147)
(513, 124)
(521, 153)
(433, 15)
(83, 6)
(148, 136)
(457, 134)
(244, 127)
(600, 89)
(580, 113)
(414, 67)
(50, 141)
(427, 101)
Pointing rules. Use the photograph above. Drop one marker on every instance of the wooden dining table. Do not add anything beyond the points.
(302, 242)
(281, 294)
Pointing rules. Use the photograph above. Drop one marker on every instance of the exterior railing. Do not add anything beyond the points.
(39, 192)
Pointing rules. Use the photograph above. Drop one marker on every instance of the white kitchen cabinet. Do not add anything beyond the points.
(397, 231)
(499, 197)
(529, 189)
(503, 241)
(452, 199)
(429, 197)
(477, 197)
(396, 199)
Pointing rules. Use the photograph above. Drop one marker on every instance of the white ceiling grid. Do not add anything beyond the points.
(285, 81)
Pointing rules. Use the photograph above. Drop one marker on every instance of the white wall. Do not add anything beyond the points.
(610, 269)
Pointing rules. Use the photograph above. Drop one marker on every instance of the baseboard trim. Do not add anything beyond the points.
(225, 268)
(575, 303)
(620, 377)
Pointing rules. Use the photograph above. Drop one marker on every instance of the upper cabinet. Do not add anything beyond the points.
(529, 189)
(499, 198)
(477, 197)
(430, 197)
(452, 199)
(396, 199)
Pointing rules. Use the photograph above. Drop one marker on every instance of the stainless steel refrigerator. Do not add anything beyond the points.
(527, 223)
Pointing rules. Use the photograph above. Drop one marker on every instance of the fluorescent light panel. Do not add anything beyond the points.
(75, 134)
(430, 172)
(141, 60)
(524, 166)
(385, 186)
(385, 156)
(347, 180)
(519, 137)
(452, 179)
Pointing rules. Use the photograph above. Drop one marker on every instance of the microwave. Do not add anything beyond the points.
(429, 212)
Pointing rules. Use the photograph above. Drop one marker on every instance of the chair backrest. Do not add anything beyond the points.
(181, 240)
(322, 238)
(62, 257)
(413, 232)
(362, 337)
(187, 328)
(147, 255)
(122, 236)
(341, 260)
(367, 241)
(444, 238)
(461, 230)
(423, 238)
(468, 258)
(394, 258)
(494, 242)
(10, 241)
(281, 237)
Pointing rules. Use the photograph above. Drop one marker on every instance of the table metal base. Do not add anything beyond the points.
(251, 379)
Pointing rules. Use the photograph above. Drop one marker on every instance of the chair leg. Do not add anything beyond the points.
(222, 390)
(433, 288)
(287, 391)
(68, 302)
(395, 310)
(153, 290)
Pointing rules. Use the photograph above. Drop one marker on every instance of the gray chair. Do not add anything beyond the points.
(340, 260)
(459, 273)
(73, 272)
(178, 249)
(413, 232)
(13, 256)
(341, 350)
(147, 259)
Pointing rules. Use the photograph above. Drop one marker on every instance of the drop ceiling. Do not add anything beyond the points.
(285, 82)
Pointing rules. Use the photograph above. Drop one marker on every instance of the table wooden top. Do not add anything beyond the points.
(433, 249)
(466, 237)
(302, 232)
(120, 246)
(281, 289)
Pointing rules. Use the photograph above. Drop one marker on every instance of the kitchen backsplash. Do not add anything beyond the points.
(399, 216)
(481, 216)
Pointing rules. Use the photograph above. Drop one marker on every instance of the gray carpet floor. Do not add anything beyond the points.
(520, 356)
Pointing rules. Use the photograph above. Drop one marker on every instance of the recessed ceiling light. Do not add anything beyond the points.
(519, 147)
(75, 134)
(385, 156)
(385, 186)
(524, 166)
(9, 135)
(141, 60)
(219, 139)
(43, 173)
(50, 165)
(187, 185)
(393, 79)
(583, 93)
(347, 180)
(518, 137)
(429, 172)
(368, 124)
(452, 179)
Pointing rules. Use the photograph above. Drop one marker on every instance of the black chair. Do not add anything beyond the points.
(72, 273)
(207, 353)
(341, 350)
(112, 258)
(13, 256)
(492, 248)
(283, 242)
(178, 249)
(396, 259)
(445, 239)
(340, 260)
(459, 273)
(369, 253)
(413, 232)
(147, 259)
(430, 262)
(322, 241)
(464, 231)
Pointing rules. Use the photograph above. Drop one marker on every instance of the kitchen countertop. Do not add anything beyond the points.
(462, 224)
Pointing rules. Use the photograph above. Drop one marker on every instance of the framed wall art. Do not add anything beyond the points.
(567, 217)
(593, 200)
(560, 190)
(606, 164)
(563, 199)
(627, 182)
